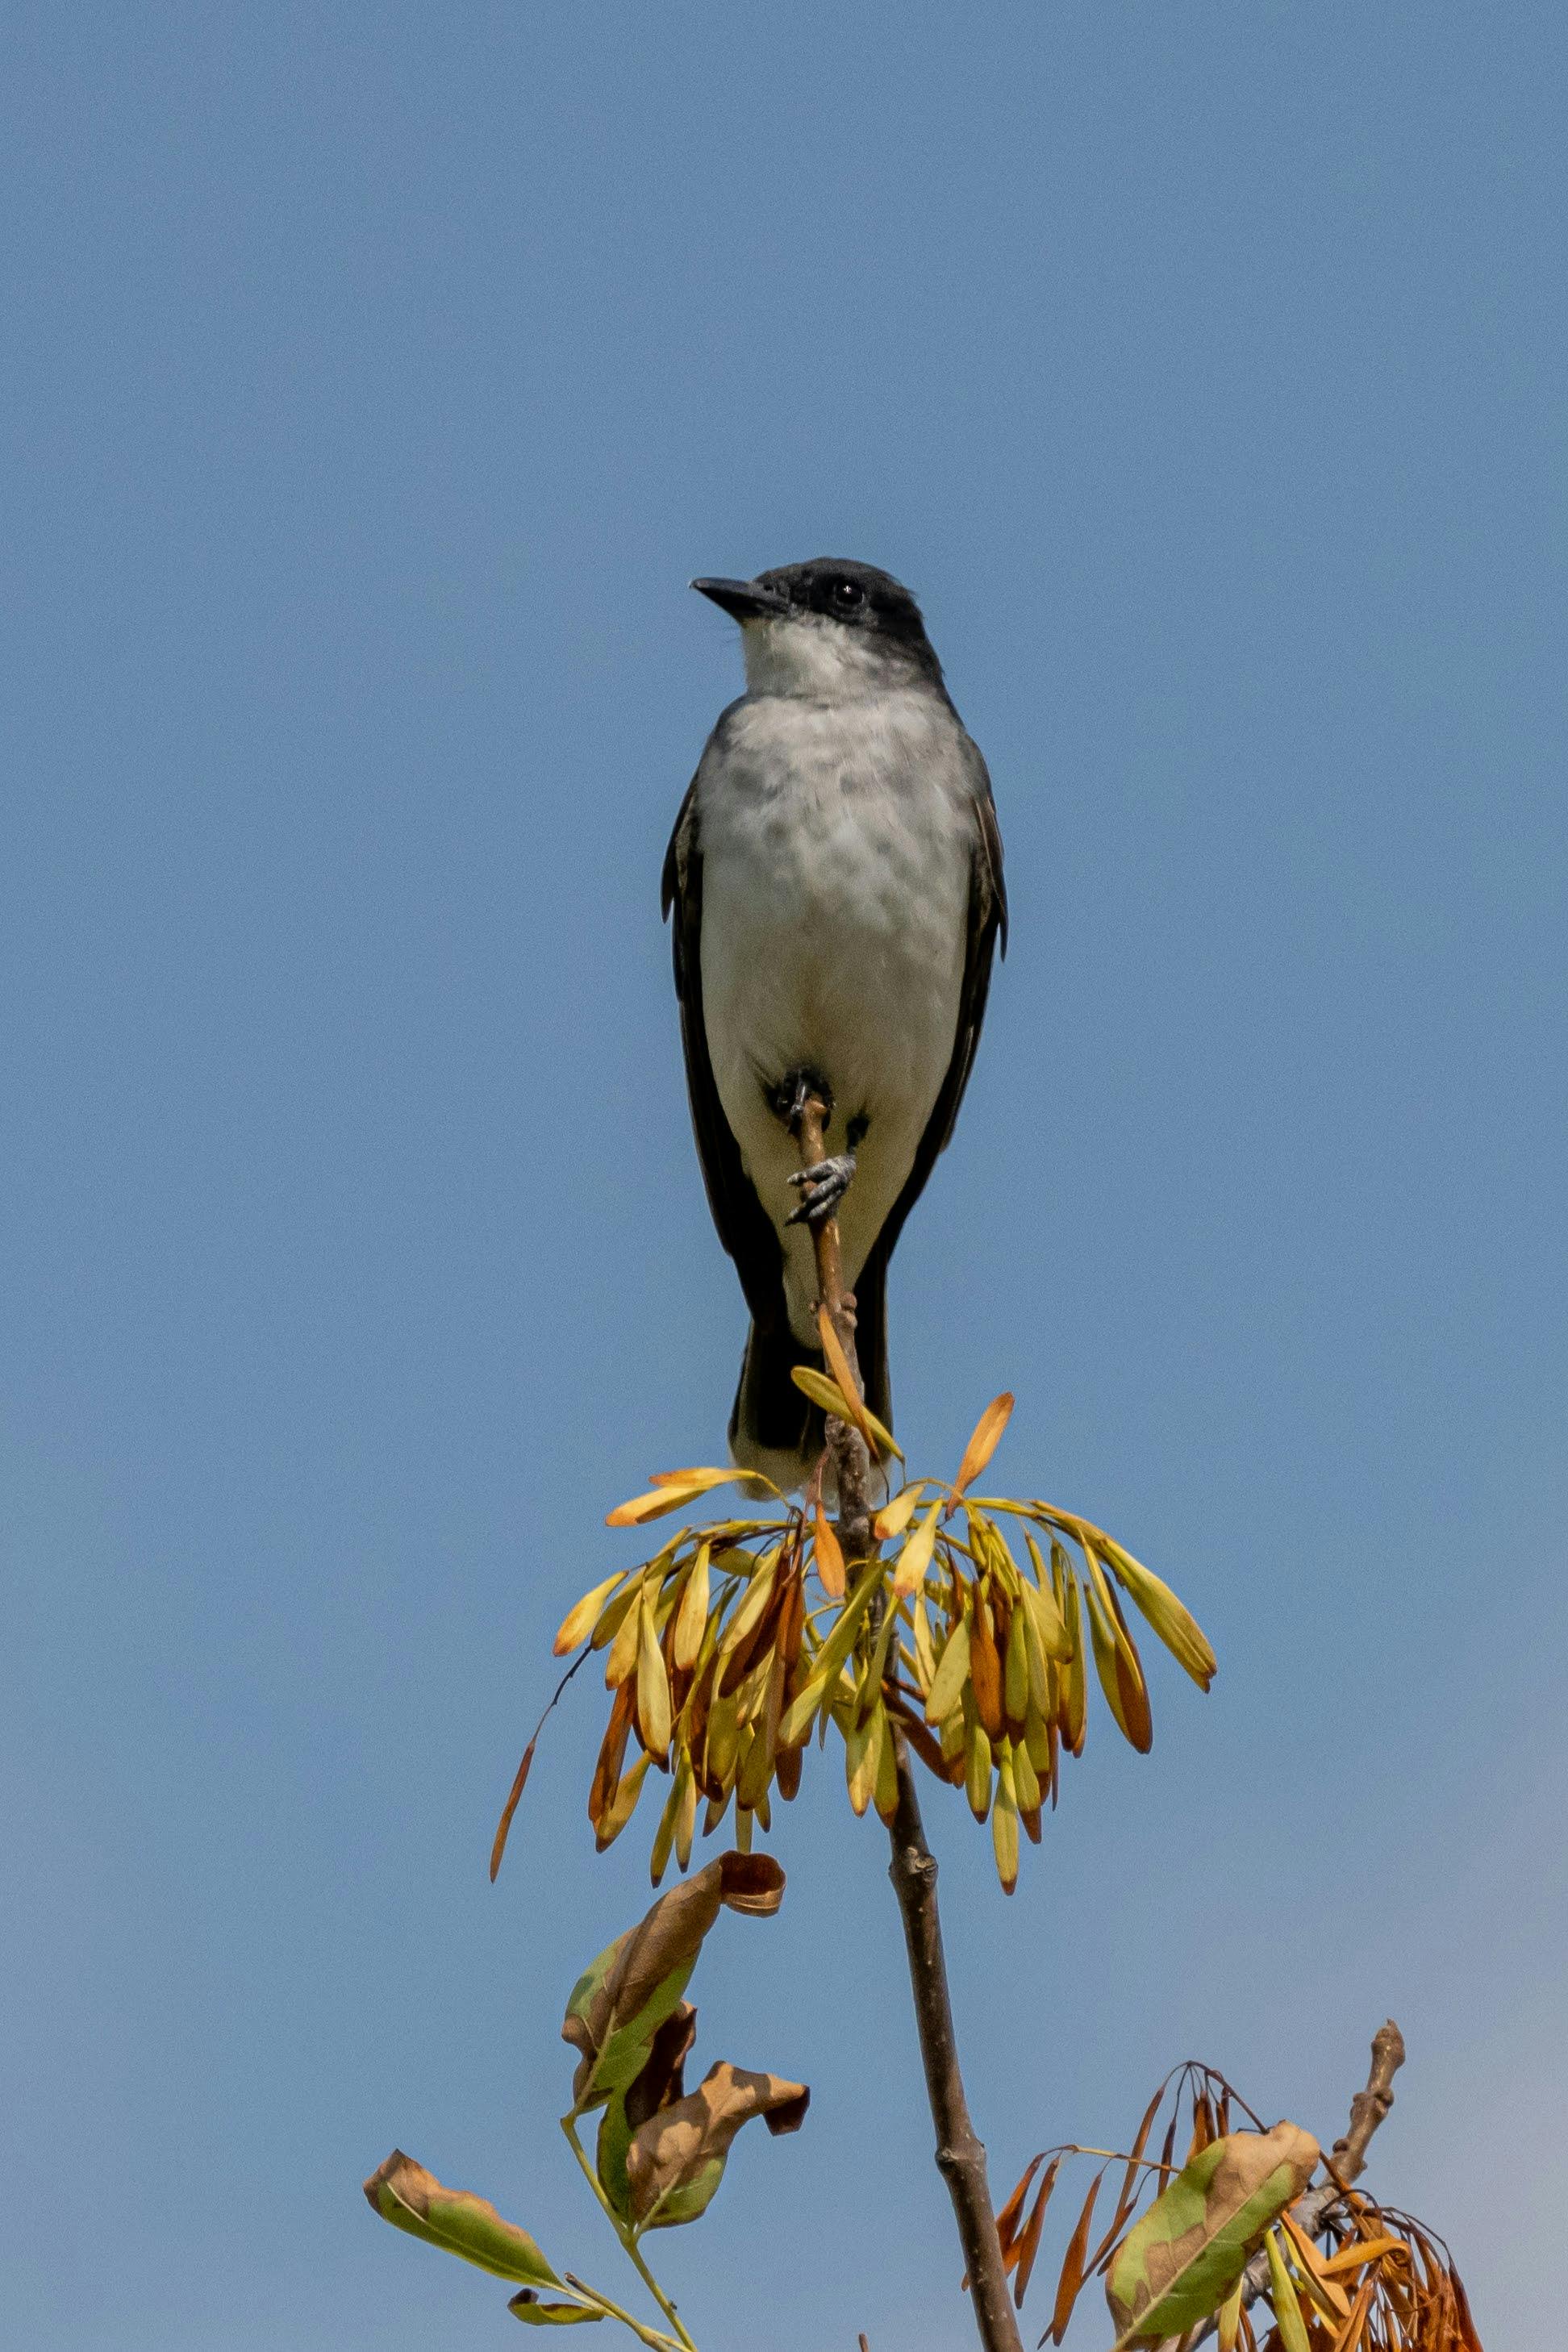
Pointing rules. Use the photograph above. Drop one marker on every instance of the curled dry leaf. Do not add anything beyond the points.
(527, 2307)
(1176, 2265)
(411, 2199)
(676, 2159)
(618, 2004)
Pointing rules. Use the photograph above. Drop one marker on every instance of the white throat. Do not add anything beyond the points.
(811, 655)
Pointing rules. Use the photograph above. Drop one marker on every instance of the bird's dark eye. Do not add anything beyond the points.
(848, 596)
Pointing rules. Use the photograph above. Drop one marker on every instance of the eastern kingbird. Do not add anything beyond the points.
(836, 873)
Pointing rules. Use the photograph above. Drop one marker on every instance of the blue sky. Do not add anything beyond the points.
(374, 380)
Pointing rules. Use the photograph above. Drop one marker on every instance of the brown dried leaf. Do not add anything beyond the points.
(503, 1827)
(1030, 2243)
(677, 2157)
(1073, 2263)
(1008, 2220)
(612, 1754)
(1129, 2192)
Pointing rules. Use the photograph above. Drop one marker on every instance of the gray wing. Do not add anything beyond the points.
(744, 1226)
(987, 931)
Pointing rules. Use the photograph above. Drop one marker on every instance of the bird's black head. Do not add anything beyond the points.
(881, 618)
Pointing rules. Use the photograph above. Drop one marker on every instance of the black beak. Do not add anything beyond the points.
(744, 600)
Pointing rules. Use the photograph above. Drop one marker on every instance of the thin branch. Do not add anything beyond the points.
(1345, 2161)
(960, 2154)
(627, 2237)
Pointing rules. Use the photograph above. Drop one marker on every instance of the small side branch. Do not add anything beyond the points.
(960, 2154)
(1345, 2162)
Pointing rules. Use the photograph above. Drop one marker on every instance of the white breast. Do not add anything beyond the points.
(836, 841)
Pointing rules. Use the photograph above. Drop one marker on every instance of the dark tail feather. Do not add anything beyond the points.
(773, 1427)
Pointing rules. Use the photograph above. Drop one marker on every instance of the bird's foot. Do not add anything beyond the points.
(824, 1187)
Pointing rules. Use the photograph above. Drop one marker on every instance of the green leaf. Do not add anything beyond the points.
(1176, 2265)
(411, 2199)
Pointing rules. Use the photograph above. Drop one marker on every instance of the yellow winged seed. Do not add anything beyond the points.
(664, 1836)
(1282, 2295)
(982, 1445)
(862, 1754)
(1229, 2321)
(624, 1649)
(1036, 1669)
(749, 1614)
(680, 1487)
(916, 1556)
(653, 1686)
(925, 1655)
(952, 1673)
(1075, 1683)
(977, 1770)
(844, 1379)
(1026, 1780)
(832, 1399)
(1045, 1605)
(582, 1617)
(894, 1516)
(1016, 1667)
(612, 1616)
(623, 1804)
(795, 1721)
(1175, 1625)
(885, 1796)
(692, 1621)
(686, 1811)
(1005, 1822)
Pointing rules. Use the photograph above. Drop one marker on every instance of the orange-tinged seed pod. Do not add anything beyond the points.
(612, 1755)
(986, 1669)
(623, 1804)
(1016, 1672)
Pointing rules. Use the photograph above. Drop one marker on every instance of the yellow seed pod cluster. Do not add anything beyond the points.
(742, 1638)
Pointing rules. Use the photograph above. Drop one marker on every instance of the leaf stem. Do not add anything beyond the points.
(627, 2236)
(654, 2337)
